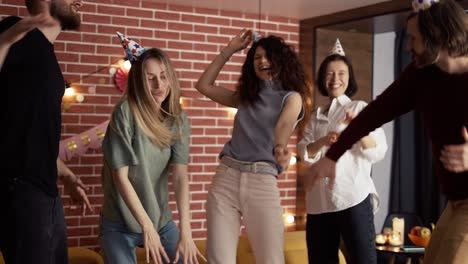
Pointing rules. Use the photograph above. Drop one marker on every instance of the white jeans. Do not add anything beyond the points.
(255, 197)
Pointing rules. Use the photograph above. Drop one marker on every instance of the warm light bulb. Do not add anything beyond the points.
(233, 110)
(79, 98)
(293, 160)
(127, 65)
(290, 219)
(69, 91)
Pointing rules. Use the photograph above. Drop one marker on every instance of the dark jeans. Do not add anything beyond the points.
(32, 225)
(355, 225)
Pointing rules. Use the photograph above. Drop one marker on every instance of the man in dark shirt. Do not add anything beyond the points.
(32, 225)
(436, 85)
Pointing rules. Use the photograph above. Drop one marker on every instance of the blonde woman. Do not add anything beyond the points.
(148, 132)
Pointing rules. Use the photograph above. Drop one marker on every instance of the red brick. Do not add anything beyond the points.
(193, 37)
(90, 28)
(94, 59)
(153, 5)
(192, 56)
(109, 29)
(166, 15)
(72, 47)
(67, 57)
(191, 18)
(205, 29)
(80, 68)
(205, 47)
(134, 22)
(98, 19)
(242, 23)
(180, 8)
(8, 11)
(153, 24)
(215, 21)
(139, 32)
(206, 11)
(290, 29)
(139, 13)
(94, 38)
(160, 34)
(111, 10)
(180, 27)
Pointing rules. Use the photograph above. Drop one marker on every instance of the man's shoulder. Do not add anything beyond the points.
(8, 22)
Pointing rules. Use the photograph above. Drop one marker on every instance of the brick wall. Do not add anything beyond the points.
(192, 37)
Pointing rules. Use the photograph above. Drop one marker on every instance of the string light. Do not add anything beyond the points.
(69, 91)
(290, 219)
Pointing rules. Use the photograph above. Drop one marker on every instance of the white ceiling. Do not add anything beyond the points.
(299, 9)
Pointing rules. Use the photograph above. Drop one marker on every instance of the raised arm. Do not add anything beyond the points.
(18, 31)
(205, 84)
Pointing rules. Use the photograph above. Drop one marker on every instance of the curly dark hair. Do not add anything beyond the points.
(285, 65)
(322, 73)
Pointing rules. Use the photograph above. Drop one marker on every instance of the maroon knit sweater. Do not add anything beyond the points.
(442, 99)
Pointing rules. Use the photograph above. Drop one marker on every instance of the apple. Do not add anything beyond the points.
(425, 232)
(416, 230)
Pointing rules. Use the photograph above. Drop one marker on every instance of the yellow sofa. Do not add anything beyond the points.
(78, 255)
(295, 250)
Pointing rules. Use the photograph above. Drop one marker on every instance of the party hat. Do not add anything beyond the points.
(337, 48)
(421, 5)
(256, 36)
(132, 48)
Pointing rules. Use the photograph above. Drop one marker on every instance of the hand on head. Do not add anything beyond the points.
(240, 41)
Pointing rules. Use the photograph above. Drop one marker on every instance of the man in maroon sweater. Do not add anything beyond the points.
(435, 84)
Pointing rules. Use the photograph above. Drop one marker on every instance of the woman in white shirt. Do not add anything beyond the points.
(346, 208)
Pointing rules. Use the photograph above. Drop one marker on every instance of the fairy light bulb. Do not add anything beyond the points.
(290, 219)
(293, 160)
(69, 91)
(127, 65)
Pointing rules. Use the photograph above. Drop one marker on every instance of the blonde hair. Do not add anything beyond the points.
(154, 119)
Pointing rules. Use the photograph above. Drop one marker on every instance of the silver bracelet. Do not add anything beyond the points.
(223, 54)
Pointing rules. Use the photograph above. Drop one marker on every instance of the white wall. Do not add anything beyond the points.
(383, 76)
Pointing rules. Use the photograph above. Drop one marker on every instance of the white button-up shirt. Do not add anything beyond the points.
(353, 181)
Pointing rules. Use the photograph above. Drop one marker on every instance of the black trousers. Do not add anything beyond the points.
(354, 225)
(32, 225)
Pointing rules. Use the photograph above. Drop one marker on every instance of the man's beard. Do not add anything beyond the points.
(65, 15)
(424, 59)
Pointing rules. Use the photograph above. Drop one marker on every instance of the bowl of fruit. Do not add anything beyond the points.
(420, 236)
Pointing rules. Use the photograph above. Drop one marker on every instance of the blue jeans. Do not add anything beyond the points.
(355, 225)
(119, 244)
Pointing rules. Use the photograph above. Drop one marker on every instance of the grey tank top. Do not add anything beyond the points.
(253, 134)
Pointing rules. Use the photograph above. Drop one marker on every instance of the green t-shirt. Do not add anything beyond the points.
(125, 144)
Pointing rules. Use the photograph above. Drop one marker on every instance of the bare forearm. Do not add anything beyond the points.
(207, 79)
(181, 188)
(314, 147)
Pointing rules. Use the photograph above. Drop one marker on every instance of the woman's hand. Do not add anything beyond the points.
(239, 42)
(153, 247)
(330, 138)
(282, 156)
(189, 251)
